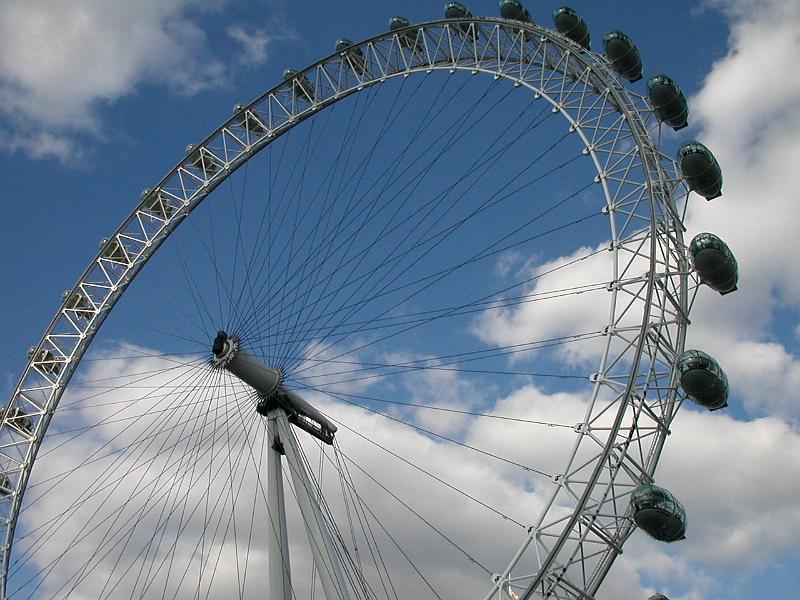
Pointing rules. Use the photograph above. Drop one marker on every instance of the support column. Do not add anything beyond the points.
(280, 575)
(327, 560)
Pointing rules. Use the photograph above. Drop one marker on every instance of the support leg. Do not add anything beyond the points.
(280, 586)
(327, 560)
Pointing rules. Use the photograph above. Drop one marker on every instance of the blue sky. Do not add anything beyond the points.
(89, 120)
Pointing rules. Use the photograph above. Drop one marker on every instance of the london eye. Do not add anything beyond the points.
(460, 241)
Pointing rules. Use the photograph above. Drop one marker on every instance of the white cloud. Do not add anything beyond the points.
(60, 61)
(734, 477)
(550, 313)
(253, 41)
(44, 144)
(737, 481)
(749, 111)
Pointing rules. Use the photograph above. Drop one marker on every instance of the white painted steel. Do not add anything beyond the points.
(280, 571)
(326, 558)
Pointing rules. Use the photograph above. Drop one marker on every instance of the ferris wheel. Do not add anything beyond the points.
(420, 334)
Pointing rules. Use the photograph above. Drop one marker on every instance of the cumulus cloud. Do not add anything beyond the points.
(253, 42)
(566, 297)
(167, 475)
(60, 61)
(44, 144)
(749, 111)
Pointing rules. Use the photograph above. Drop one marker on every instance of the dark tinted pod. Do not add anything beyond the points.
(355, 55)
(623, 55)
(668, 101)
(658, 597)
(398, 23)
(570, 24)
(250, 123)
(700, 169)
(514, 9)
(343, 44)
(658, 513)
(454, 10)
(715, 263)
(408, 38)
(703, 379)
(303, 90)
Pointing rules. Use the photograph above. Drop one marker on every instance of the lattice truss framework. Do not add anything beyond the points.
(573, 543)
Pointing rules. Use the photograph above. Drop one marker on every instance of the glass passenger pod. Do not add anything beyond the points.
(570, 24)
(113, 251)
(301, 86)
(700, 169)
(201, 160)
(455, 10)
(668, 101)
(155, 204)
(623, 55)
(658, 597)
(714, 263)
(355, 56)
(247, 120)
(515, 10)
(6, 489)
(658, 513)
(19, 420)
(44, 360)
(406, 37)
(702, 379)
(78, 304)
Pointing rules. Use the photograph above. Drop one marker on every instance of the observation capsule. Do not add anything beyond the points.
(658, 597)
(154, 202)
(408, 39)
(623, 55)
(355, 55)
(455, 10)
(248, 120)
(5, 486)
(44, 360)
(19, 420)
(715, 263)
(303, 90)
(703, 379)
(343, 44)
(78, 304)
(668, 101)
(570, 24)
(515, 10)
(700, 169)
(200, 160)
(113, 251)
(658, 513)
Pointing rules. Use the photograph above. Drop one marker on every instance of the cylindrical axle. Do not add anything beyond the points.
(229, 355)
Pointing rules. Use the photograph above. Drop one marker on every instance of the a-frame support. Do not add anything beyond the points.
(326, 558)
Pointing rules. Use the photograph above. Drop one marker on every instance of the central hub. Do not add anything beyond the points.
(229, 354)
(224, 349)
(268, 383)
